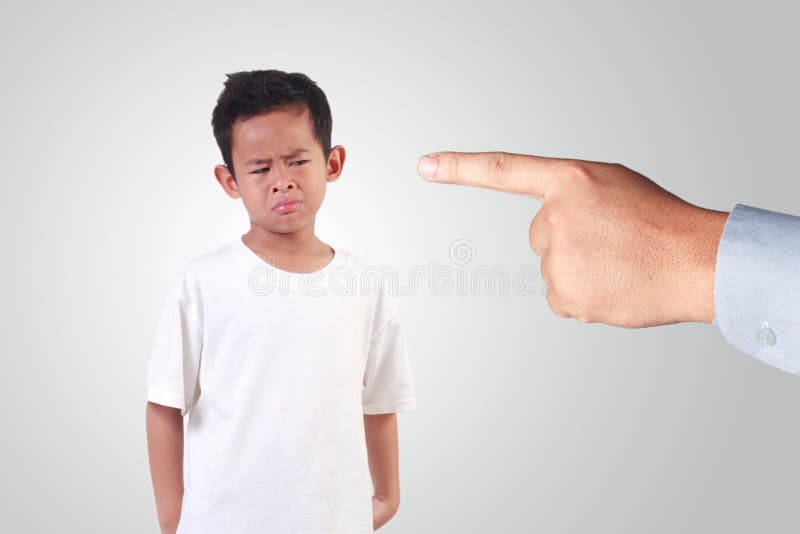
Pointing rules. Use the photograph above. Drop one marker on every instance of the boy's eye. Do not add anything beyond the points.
(260, 171)
(298, 162)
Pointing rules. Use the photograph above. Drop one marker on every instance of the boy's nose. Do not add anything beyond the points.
(283, 186)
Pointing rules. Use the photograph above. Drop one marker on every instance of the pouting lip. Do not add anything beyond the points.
(285, 201)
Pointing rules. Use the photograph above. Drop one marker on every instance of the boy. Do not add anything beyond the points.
(290, 385)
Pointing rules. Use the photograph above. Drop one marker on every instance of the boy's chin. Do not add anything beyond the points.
(287, 228)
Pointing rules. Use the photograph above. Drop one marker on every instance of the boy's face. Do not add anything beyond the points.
(281, 172)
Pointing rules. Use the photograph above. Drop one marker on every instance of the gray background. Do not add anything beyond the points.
(525, 422)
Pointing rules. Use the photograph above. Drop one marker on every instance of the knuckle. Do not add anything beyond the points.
(580, 172)
(536, 235)
(610, 172)
(552, 217)
(569, 293)
(619, 167)
(555, 305)
(455, 165)
(544, 273)
(579, 169)
(497, 170)
(531, 233)
(534, 243)
(545, 277)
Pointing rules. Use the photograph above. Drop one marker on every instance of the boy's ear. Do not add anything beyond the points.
(227, 181)
(335, 163)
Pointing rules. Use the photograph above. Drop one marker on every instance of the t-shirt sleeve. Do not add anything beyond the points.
(174, 366)
(388, 382)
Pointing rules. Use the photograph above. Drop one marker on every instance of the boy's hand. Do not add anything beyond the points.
(616, 248)
(382, 511)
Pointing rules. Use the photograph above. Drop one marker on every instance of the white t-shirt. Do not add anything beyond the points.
(275, 371)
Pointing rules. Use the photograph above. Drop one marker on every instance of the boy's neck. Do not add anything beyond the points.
(298, 251)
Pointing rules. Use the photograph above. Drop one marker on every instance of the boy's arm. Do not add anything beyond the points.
(382, 452)
(165, 450)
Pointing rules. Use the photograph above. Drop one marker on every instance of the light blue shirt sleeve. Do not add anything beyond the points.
(757, 285)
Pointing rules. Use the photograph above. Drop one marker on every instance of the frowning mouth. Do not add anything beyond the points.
(287, 206)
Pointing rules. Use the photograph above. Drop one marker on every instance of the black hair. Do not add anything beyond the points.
(250, 93)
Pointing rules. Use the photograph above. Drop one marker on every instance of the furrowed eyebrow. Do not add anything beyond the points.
(258, 161)
(267, 161)
(295, 153)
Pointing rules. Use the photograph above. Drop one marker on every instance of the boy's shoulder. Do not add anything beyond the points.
(364, 267)
(350, 258)
(379, 280)
(202, 267)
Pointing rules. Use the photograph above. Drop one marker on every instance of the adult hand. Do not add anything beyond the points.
(615, 247)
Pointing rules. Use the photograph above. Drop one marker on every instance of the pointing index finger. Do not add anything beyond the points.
(503, 171)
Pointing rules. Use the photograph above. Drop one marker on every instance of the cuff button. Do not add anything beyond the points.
(765, 335)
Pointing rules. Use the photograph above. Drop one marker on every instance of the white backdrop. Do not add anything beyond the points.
(525, 422)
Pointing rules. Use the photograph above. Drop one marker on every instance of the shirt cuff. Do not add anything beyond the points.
(757, 285)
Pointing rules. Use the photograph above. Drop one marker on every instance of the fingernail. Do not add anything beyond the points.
(427, 166)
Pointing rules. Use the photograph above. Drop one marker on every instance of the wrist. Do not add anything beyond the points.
(702, 246)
